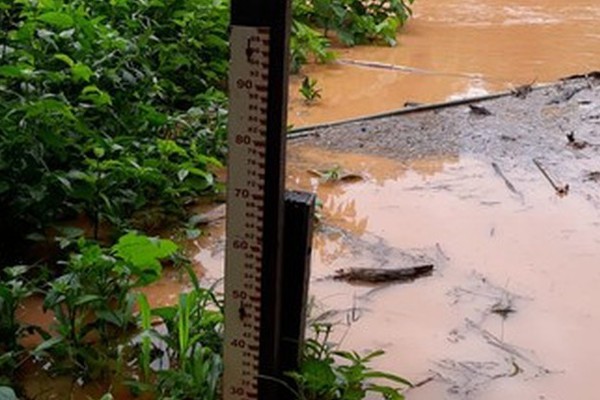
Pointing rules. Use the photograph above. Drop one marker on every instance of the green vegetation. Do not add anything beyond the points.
(351, 22)
(94, 297)
(92, 303)
(14, 288)
(188, 353)
(329, 374)
(114, 113)
(309, 90)
(107, 108)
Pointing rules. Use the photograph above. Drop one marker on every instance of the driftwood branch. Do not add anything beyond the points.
(379, 275)
(507, 182)
(560, 190)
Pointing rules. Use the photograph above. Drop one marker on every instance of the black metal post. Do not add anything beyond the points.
(299, 214)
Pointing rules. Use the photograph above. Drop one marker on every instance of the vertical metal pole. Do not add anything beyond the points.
(299, 215)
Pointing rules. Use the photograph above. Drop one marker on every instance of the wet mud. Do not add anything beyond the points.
(453, 49)
(511, 308)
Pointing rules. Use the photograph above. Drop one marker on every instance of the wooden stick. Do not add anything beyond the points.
(508, 183)
(379, 275)
(560, 190)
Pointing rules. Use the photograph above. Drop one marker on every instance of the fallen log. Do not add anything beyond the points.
(380, 275)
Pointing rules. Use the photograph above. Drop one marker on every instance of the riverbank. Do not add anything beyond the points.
(501, 195)
(456, 49)
(513, 127)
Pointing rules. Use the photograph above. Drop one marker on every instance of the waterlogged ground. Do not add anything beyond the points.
(511, 310)
(457, 48)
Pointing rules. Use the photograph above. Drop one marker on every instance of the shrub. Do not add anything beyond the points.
(108, 107)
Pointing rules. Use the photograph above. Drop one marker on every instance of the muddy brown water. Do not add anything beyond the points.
(459, 48)
(489, 247)
(533, 256)
(511, 310)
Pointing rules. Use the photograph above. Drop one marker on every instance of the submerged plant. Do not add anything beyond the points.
(355, 21)
(307, 44)
(14, 288)
(309, 90)
(335, 174)
(329, 374)
(92, 301)
(187, 352)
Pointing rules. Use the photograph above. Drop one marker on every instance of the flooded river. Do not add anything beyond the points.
(511, 310)
(458, 48)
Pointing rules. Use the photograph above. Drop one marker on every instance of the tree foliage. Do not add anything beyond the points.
(108, 106)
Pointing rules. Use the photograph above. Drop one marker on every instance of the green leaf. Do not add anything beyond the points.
(88, 298)
(388, 392)
(16, 271)
(144, 254)
(376, 353)
(49, 106)
(14, 71)
(99, 152)
(192, 234)
(57, 19)
(65, 58)
(165, 313)
(388, 376)
(318, 375)
(64, 181)
(47, 344)
(36, 237)
(97, 96)
(82, 72)
(182, 174)
(7, 393)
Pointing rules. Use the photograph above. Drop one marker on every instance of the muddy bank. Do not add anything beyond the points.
(557, 125)
(511, 308)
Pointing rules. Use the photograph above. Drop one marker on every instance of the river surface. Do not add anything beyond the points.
(457, 48)
(511, 309)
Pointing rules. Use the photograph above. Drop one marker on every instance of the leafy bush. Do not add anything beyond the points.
(92, 302)
(187, 349)
(355, 21)
(108, 107)
(327, 374)
(14, 288)
(307, 44)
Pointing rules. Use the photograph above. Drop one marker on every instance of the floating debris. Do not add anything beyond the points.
(335, 174)
(566, 95)
(380, 275)
(574, 143)
(593, 176)
(561, 190)
(507, 182)
(522, 91)
(479, 110)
